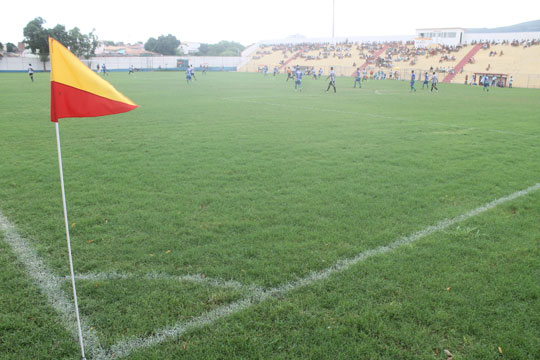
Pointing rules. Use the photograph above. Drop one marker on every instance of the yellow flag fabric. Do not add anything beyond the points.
(77, 91)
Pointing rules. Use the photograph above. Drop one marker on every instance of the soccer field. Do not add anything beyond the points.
(234, 218)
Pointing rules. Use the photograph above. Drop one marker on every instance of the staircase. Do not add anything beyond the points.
(294, 56)
(375, 56)
(448, 78)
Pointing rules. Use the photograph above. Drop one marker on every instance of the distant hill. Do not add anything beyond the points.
(529, 26)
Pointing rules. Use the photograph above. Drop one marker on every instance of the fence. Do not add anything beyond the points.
(117, 63)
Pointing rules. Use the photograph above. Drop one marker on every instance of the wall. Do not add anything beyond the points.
(215, 63)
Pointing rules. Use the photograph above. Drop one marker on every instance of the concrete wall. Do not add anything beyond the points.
(215, 63)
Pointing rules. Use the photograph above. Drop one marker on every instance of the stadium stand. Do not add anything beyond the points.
(396, 59)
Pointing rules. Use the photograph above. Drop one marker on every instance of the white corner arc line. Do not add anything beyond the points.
(126, 347)
(194, 278)
(50, 285)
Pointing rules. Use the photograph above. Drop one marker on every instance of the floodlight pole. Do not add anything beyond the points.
(333, 20)
(69, 242)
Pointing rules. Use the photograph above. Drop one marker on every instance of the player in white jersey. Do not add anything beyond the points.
(31, 72)
(332, 78)
(434, 82)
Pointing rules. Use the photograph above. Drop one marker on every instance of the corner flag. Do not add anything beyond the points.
(77, 91)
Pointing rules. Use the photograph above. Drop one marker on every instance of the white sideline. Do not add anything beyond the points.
(124, 348)
(51, 286)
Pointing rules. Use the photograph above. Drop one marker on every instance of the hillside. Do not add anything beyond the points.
(529, 26)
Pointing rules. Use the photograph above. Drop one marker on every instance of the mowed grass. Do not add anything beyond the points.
(237, 177)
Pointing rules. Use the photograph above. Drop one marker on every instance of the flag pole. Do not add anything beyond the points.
(69, 242)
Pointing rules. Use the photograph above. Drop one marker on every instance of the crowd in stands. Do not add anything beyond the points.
(363, 52)
(525, 43)
(395, 52)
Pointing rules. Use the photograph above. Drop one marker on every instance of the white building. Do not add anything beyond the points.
(189, 47)
(441, 36)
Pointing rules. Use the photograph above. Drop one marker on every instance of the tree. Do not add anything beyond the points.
(151, 44)
(11, 48)
(37, 38)
(165, 45)
(80, 44)
(60, 34)
(223, 48)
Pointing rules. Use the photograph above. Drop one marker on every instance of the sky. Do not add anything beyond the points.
(249, 21)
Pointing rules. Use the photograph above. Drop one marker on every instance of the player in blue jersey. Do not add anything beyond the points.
(332, 78)
(275, 70)
(485, 82)
(298, 82)
(188, 75)
(320, 72)
(358, 78)
(413, 79)
(426, 81)
(434, 82)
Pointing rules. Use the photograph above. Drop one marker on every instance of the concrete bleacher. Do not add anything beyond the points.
(520, 61)
(270, 56)
(343, 57)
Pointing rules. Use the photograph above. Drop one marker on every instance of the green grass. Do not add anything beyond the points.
(238, 177)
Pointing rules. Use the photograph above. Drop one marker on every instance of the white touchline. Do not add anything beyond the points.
(50, 285)
(124, 348)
